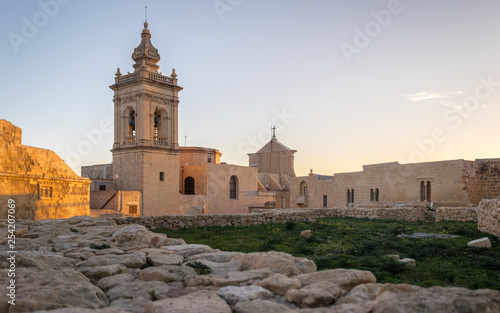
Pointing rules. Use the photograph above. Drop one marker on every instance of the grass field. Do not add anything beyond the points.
(365, 244)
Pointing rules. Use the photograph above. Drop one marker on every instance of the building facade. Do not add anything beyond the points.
(457, 183)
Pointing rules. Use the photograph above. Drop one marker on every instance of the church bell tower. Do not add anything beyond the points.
(146, 149)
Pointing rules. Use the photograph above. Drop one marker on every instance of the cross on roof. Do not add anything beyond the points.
(273, 129)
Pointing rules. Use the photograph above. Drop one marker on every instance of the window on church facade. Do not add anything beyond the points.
(102, 187)
(209, 158)
(162, 176)
(372, 195)
(377, 195)
(131, 124)
(233, 187)
(325, 201)
(348, 196)
(303, 188)
(132, 209)
(422, 191)
(189, 186)
(428, 192)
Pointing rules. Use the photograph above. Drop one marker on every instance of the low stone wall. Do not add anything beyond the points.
(456, 214)
(488, 216)
(275, 217)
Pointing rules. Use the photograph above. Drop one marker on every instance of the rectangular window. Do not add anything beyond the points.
(325, 201)
(132, 209)
(209, 158)
(102, 187)
(162, 176)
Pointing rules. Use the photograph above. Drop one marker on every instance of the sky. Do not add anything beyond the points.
(345, 82)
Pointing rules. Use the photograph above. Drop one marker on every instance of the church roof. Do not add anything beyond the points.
(274, 146)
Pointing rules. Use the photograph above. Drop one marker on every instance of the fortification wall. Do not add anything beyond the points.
(38, 180)
(456, 214)
(488, 216)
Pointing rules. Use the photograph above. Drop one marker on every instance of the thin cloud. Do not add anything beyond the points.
(447, 99)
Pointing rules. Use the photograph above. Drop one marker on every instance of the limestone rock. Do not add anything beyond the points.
(137, 288)
(166, 273)
(361, 294)
(175, 242)
(221, 269)
(278, 262)
(439, 299)
(109, 282)
(408, 262)
(233, 294)
(480, 243)
(240, 278)
(53, 289)
(157, 259)
(82, 310)
(218, 257)
(135, 305)
(43, 260)
(306, 233)
(189, 250)
(345, 278)
(97, 272)
(259, 306)
(80, 255)
(197, 302)
(279, 284)
(133, 260)
(137, 235)
(315, 295)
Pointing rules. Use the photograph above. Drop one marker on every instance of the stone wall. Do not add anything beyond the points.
(456, 214)
(38, 180)
(118, 201)
(488, 216)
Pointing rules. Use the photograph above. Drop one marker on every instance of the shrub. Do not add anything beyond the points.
(200, 268)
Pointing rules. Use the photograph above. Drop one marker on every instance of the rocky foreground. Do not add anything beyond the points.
(86, 264)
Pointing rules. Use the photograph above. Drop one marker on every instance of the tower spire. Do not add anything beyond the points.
(146, 14)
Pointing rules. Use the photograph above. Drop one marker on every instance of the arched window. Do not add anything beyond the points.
(348, 196)
(131, 123)
(428, 192)
(233, 187)
(160, 127)
(303, 188)
(422, 191)
(189, 186)
(352, 195)
(376, 195)
(372, 195)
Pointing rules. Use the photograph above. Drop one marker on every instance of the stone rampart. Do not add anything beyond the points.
(488, 216)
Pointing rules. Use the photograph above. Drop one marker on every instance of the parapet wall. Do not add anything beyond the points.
(277, 216)
(488, 216)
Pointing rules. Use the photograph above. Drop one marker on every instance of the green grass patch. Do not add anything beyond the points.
(364, 244)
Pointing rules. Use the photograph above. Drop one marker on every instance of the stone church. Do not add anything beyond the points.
(152, 175)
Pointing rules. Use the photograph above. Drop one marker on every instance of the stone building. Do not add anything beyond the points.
(150, 172)
(455, 183)
(38, 180)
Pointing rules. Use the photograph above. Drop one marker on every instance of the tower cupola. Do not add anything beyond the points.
(146, 54)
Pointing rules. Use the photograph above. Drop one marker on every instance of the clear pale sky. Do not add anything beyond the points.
(345, 82)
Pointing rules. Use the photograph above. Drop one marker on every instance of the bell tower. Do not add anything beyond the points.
(146, 149)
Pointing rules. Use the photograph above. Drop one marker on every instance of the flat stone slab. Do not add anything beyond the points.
(425, 235)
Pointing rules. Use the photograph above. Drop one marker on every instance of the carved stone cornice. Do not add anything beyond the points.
(148, 96)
